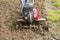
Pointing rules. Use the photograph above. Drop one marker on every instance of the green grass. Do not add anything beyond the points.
(53, 15)
(56, 3)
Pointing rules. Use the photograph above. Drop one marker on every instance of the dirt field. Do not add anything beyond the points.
(9, 12)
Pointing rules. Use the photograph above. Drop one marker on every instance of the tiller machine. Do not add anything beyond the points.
(29, 16)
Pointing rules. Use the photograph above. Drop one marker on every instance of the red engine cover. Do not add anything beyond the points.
(35, 14)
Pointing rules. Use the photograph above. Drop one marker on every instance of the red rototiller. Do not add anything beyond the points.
(29, 15)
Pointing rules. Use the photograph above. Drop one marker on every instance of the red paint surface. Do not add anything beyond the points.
(35, 14)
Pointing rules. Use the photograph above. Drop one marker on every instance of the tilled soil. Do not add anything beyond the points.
(9, 12)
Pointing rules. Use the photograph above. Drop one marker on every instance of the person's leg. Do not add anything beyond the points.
(22, 2)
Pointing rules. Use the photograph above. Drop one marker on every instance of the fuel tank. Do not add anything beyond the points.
(35, 12)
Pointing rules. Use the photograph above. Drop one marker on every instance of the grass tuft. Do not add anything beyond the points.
(53, 15)
(56, 3)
